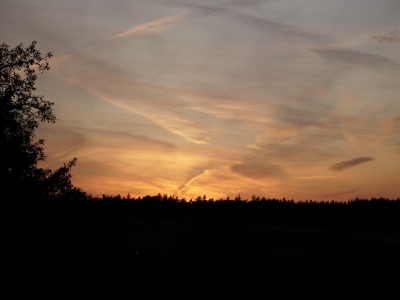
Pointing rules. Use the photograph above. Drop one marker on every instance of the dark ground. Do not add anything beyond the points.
(148, 250)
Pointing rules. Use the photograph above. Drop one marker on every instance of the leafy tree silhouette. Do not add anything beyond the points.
(20, 113)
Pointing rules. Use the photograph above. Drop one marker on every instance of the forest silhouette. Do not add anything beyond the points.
(64, 241)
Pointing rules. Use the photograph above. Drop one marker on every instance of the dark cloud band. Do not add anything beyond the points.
(350, 163)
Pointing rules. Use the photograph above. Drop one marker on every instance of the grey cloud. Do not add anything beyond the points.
(350, 163)
(280, 28)
(258, 171)
(356, 58)
(200, 10)
(391, 37)
(228, 107)
(134, 140)
(204, 10)
(148, 140)
(304, 148)
(319, 84)
(225, 7)
(318, 119)
(300, 146)
(276, 27)
(300, 117)
(251, 2)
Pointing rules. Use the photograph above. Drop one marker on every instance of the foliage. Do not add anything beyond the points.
(20, 114)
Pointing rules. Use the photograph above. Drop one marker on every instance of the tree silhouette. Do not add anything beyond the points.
(20, 113)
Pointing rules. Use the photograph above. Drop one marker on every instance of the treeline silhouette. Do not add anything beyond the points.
(358, 214)
(152, 245)
(378, 214)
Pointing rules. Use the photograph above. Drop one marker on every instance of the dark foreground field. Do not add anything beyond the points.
(151, 249)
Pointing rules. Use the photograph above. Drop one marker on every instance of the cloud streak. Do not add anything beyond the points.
(391, 37)
(122, 90)
(218, 182)
(341, 193)
(282, 29)
(350, 163)
(131, 141)
(232, 9)
(356, 58)
(159, 25)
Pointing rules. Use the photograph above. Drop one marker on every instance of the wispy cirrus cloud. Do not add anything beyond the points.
(341, 166)
(232, 9)
(120, 89)
(391, 37)
(356, 58)
(159, 25)
(152, 27)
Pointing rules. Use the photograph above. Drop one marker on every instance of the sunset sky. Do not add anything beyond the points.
(287, 98)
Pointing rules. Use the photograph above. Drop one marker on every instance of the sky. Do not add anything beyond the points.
(287, 98)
